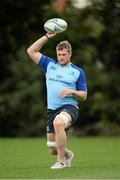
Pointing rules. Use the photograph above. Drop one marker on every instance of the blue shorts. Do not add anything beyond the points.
(51, 114)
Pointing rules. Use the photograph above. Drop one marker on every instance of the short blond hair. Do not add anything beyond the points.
(64, 45)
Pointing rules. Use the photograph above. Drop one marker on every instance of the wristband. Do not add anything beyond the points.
(47, 37)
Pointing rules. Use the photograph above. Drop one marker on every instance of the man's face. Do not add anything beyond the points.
(63, 57)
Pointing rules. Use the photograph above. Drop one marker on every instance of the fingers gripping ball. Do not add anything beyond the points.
(56, 25)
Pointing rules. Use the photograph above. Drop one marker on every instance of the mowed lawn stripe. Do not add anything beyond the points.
(28, 158)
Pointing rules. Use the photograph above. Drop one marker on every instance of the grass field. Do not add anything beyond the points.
(95, 158)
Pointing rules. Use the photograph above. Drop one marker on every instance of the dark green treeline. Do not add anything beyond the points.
(94, 33)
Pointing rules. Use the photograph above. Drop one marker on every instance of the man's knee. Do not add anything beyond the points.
(57, 122)
(61, 120)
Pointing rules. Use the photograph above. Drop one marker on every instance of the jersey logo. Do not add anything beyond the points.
(72, 73)
(59, 76)
(48, 129)
(53, 67)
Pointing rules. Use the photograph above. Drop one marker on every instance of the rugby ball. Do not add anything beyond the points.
(56, 25)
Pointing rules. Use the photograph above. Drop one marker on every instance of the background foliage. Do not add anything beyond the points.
(94, 33)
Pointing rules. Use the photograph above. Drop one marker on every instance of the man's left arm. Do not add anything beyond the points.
(80, 95)
(81, 88)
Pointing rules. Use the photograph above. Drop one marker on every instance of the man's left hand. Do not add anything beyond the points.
(66, 92)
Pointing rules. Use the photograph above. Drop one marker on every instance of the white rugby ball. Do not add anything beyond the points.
(56, 25)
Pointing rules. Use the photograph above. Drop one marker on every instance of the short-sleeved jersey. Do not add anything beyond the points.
(61, 77)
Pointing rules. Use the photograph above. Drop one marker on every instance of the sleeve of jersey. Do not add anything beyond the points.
(43, 62)
(81, 83)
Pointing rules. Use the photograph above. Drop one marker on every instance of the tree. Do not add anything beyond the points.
(20, 20)
(95, 37)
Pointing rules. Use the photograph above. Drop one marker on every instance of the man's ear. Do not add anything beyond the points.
(70, 54)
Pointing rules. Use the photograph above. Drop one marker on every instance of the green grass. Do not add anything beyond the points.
(95, 158)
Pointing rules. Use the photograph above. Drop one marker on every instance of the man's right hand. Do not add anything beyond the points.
(34, 50)
(51, 35)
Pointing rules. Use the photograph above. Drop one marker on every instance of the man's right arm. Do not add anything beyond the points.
(34, 50)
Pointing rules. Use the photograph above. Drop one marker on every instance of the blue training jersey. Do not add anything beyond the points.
(61, 77)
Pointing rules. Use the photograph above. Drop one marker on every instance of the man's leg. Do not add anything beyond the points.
(63, 157)
(62, 121)
(51, 143)
(53, 150)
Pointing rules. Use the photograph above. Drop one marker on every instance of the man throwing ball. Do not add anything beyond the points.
(65, 85)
